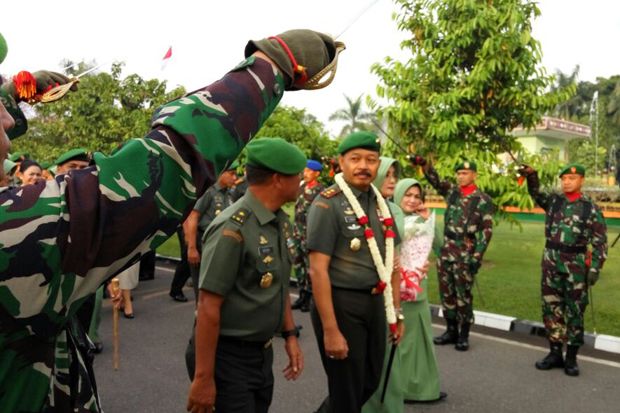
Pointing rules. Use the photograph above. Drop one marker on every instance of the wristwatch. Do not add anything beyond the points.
(288, 333)
(400, 317)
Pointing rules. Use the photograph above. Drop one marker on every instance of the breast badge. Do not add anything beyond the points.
(356, 244)
(266, 280)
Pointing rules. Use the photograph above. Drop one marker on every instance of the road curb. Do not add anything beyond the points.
(500, 322)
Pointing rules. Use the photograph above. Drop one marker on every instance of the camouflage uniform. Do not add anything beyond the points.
(468, 226)
(61, 239)
(569, 228)
(308, 191)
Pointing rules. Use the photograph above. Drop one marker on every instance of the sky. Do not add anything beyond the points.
(208, 39)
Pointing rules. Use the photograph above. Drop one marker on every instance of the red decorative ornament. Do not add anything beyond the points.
(25, 85)
(380, 287)
(393, 328)
(388, 222)
(363, 220)
(389, 233)
(369, 233)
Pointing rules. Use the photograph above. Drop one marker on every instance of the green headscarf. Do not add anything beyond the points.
(399, 192)
(384, 166)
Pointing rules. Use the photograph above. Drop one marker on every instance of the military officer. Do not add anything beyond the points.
(77, 158)
(572, 222)
(244, 280)
(468, 227)
(62, 238)
(309, 189)
(216, 199)
(351, 241)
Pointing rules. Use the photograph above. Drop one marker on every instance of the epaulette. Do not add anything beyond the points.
(331, 192)
(240, 216)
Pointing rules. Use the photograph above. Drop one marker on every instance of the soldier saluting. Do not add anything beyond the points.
(468, 226)
(572, 222)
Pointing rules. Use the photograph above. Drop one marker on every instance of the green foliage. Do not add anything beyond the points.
(104, 112)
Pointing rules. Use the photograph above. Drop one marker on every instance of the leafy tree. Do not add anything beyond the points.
(354, 116)
(474, 75)
(105, 111)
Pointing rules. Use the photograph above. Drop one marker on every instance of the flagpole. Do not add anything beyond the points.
(594, 114)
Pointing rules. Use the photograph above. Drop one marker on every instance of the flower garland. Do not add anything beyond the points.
(384, 267)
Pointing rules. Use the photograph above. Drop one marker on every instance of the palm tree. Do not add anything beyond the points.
(570, 108)
(353, 114)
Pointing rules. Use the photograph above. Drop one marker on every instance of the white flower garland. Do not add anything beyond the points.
(384, 267)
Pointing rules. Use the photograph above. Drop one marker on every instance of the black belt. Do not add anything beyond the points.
(245, 343)
(366, 291)
(569, 249)
(456, 236)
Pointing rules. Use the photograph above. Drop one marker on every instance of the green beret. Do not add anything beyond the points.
(45, 164)
(77, 153)
(466, 165)
(276, 154)
(3, 48)
(362, 139)
(573, 168)
(18, 156)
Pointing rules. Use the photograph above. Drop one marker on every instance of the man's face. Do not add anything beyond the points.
(359, 167)
(70, 165)
(310, 175)
(7, 123)
(465, 177)
(227, 179)
(572, 182)
(287, 186)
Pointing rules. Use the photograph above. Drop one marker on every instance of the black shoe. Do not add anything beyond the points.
(570, 365)
(98, 347)
(298, 302)
(130, 315)
(462, 343)
(442, 397)
(450, 336)
(180, 297)
(552, 360)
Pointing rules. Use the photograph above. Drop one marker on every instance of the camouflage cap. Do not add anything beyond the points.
(573, 168)
(466, 166)
(362, 139)
(80, 154)
(3, 48)
(276, 154)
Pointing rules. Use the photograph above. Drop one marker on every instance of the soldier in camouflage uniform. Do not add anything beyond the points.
(572, 222)
(61, 239)
(309, 189)
(468, 226)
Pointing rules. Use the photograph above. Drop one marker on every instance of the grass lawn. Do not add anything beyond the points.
(509, 280)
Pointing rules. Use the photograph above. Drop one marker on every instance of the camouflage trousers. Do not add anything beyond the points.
(564, 301)
(455, 289)
(301, 263)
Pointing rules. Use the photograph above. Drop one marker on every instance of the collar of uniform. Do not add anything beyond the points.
(358, 194)
(262, 214)
(218, 187)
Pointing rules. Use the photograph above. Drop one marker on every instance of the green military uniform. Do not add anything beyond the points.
(333, 230)
(246, 259)
(571, 225)
(468, 227)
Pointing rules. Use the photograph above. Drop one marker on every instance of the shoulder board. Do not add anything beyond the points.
(331, 192)
(240, 216)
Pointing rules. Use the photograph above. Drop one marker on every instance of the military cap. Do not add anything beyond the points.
(361, 139)
(18, 156)
(77, 153)
(3, 48)
(573, 168)
(45, 164)
(9, 166)
(314, 165)
(276, 154)
(467, 166)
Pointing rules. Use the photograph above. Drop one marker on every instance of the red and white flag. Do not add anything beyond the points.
(166, 58)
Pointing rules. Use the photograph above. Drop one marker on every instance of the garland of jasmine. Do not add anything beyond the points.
(384, 267)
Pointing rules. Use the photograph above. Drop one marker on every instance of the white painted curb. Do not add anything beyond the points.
(607, 343)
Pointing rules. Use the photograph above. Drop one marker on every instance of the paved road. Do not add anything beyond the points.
(496, 375)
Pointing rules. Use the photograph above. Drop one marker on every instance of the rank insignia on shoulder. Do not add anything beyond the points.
(240, 216)
(331, 192)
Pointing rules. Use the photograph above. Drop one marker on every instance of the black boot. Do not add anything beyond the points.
(570, 366)
(462, 343)
(552, 360)
(300, 300)
(305, 305)
(450, 336)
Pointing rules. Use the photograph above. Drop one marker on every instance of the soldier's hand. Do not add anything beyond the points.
(300, 55)
(526, 170)
(474, 266)
(592, 277)
(295, 359)
(417, 160)
(47, 80)
(193, 256)
(115, 296)
(336, 346)
(202, 394)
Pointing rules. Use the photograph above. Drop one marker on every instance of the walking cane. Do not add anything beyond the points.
(115, 338)
(387, 371)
